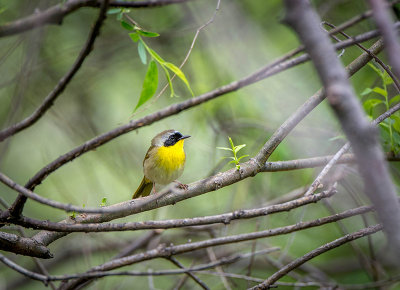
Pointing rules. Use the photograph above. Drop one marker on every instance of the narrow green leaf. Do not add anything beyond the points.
(340, 137)
(142, 52)
(154, 55)
(366, 91)
(120, 15)
(387, 79)
(232, 162)
(380, 91)
(113, 11)
(394, 100)
(134, 36)
(126, 25)
(370, 104)
(237, 148)
(149, 84)
(176, 70)
(377, 70)
(396, 123)
(171, 87)
(148, 33)
(242, 157)
(224, 148)
(231, 142)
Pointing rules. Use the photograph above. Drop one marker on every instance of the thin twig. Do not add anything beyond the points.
(316, 252)
(196, 279)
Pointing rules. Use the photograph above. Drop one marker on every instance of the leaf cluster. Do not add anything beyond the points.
(379, 97)
(150, 82)
(234, 149)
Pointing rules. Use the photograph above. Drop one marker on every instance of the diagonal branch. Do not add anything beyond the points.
(56, 14)
(314, 253)
(383, 20)
(361, 134)
(16, 209)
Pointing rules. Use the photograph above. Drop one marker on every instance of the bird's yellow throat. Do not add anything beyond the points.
(171, 157)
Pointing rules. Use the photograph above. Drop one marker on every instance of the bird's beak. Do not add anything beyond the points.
(184, 137)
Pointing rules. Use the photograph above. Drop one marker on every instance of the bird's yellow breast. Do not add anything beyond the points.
(171, 158)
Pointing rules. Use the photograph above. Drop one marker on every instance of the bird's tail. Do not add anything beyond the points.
(144, 188)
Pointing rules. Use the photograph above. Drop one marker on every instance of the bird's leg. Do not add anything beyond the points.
(181, 185)
(154, 188)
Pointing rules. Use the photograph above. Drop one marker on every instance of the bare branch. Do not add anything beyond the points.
(362, 136)
(191, 275)
(62, 84)
(23, 246)
(56, 14)
(17, 207)
(225, 218)
(383, 20)
(165, 251)
(318, 251)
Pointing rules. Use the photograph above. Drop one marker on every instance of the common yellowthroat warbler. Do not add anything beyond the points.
(164, 161)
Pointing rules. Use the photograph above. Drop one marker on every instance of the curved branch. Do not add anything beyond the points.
(56, 14)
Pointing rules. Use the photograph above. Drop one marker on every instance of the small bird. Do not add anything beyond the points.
(164, 161)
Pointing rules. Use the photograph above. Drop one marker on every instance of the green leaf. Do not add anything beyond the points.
(380, 91)
(142, 52)
(396, 123)
(169, 80)
(395, 99)
(231, 142)
(237, 148)
(148, 33)
(114, 11)
(120, 15)
(387, 79)
(377, 70)
(232, 162)
(149, 84)
(103, 201)
(134, 36)
(176, 70)
(366, 91)
(224, 148)
(155, 55)
(370, 104)
(339, 137)
(242, 157)
(126, 25)
(384, 125)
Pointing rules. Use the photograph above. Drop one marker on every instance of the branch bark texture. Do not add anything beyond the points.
(361, 134)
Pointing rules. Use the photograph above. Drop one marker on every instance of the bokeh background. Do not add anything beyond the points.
(244, 36)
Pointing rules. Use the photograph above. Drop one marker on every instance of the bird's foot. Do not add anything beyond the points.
(181, 185)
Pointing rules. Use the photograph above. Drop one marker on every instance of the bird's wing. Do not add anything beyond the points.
(148, 154)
